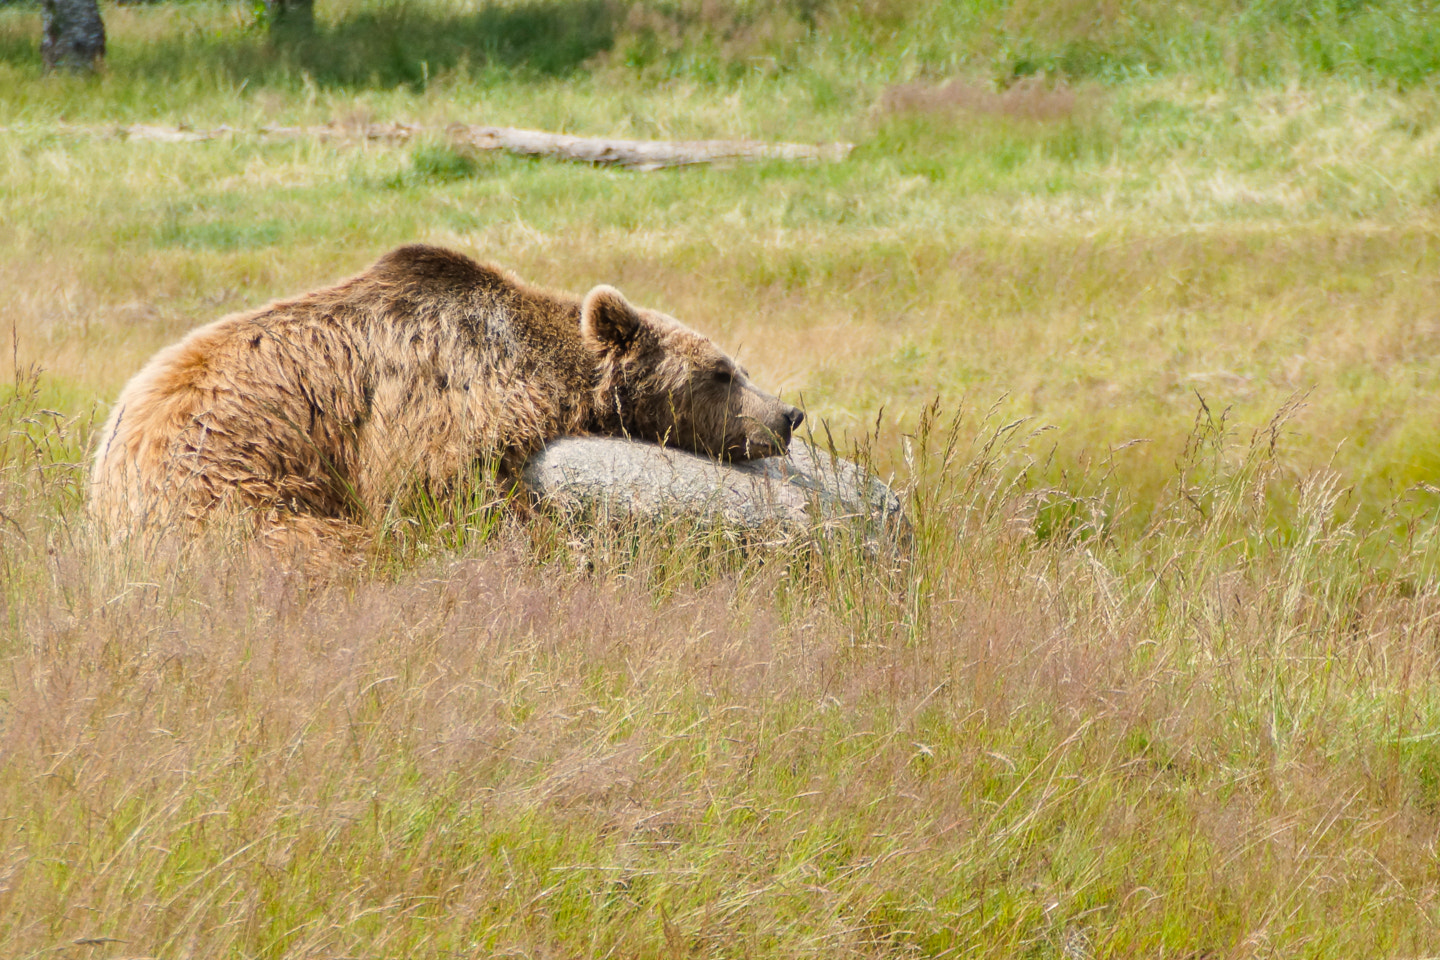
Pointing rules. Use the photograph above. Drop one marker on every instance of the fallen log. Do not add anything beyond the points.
(642, 155)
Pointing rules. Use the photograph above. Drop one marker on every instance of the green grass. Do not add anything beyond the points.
(1136, 302)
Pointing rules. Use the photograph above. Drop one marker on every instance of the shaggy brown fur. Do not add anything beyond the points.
(319, 410)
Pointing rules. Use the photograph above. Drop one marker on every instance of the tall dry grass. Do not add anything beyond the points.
(1029, 736)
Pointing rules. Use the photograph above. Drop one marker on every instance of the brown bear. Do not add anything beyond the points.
(324, 407)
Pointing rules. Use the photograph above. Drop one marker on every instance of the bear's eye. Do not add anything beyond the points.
(724, 376)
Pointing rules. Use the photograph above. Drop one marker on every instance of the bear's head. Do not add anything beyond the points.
(659, 380)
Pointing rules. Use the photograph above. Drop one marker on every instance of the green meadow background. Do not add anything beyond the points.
(1137, 305)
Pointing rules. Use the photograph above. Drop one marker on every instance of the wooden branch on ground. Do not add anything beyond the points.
(631, 154)
(641, 154)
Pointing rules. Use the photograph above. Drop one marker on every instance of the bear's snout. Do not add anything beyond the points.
(790, 420)
(770, 434)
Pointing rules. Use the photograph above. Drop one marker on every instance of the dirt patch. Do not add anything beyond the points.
(1033, 99)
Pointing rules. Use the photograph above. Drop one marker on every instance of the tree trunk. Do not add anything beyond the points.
(293, 17)
(74, 35)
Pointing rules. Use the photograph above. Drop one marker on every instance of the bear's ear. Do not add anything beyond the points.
(608, 318)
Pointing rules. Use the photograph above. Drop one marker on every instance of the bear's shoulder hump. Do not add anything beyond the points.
(424, 264)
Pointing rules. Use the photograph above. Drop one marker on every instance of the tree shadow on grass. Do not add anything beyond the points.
(20, 35)
(383, 47)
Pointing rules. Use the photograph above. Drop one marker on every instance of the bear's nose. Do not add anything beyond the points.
(794, 417)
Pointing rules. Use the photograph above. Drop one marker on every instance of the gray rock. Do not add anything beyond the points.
(804, 492)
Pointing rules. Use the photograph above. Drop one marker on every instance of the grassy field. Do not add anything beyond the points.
(1138, 304)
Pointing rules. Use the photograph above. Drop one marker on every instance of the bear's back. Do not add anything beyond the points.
(326, 402)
